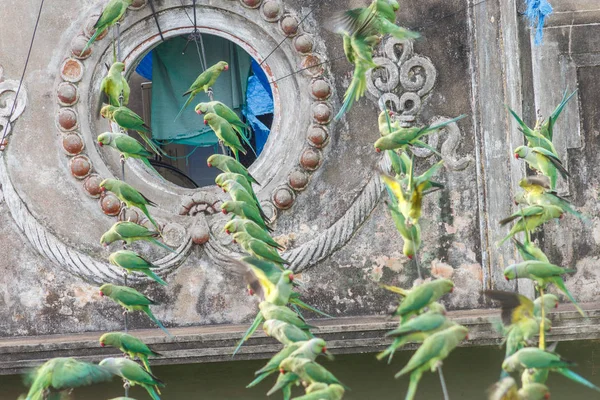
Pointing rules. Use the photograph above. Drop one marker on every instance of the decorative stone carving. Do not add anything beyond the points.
(402, 84)
(10, 86)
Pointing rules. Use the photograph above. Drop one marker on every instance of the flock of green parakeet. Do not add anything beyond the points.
(422, 318)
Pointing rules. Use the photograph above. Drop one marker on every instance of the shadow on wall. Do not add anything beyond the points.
(468, 371)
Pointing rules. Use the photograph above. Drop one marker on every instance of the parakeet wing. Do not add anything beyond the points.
(131, 296)
(514, 306)
(72, 373)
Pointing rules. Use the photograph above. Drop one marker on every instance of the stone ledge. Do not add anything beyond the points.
(216, 342)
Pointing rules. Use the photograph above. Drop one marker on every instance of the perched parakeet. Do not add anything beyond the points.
(131, 300)
(430, 355)
(243, 210)
(420, 296)
(134, 374)
(229, 164)
(115, 85)
(238, 192)
(535, 138)
(409, 192)
(529, 218)
(534, 391)
(282, 313)
(542, 274)
(417, 329)
(401, 138)
(411, 233)
(111, 14)
(537, 191)
(330, 392)
(308, 371)
(529, 251)
(284, 383)
(258, 248)
(385, 123)
(130, 345)
(127, 146)
(129, 232)
(225, 132)
(542, 160)
(131, 261)
(505, 389)
(204, 82)
(285, 333)
(216, 107)
(60, 374)
(129, 120)
(130, 196)
(534, 358)
(252, 229)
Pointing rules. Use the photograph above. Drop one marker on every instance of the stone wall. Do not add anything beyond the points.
(319, 177)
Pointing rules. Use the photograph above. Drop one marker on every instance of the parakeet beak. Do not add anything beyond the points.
(102, 344)
(556, 305)
(224, 211)
(281, 371)
(103, 189)
(506, 277)
(199, 112)
(251, 292)
(100, 144)
(467, 337)
(101, 294)
(226, 68)
(452, 290)
(205, 122)
(234, 241)
(209, 165)
(227, 231)
(410, 257)
(378, 150)
(516, 156)
(291, 278)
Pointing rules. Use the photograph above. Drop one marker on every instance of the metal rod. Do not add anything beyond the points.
(443, 383)
(156, 19)
(126, 315)
(543, 323)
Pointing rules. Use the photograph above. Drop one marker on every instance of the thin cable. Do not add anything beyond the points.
(156, 19)
(312, 66)
(14, 106)
(443, 383)
(285, 38)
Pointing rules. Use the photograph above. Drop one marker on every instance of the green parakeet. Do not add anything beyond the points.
(331, 392)
(537, 191)
(258, 248)
(129, 120)
(417, 329)
(386, 125)
(285, 333)
(409, 192)
(127, 146)
(504, 389)
(529, 218)
(134, 374)
(420, 296)
(282, 313)
(131, 261)
(542, 160)
(401, 138)
(225, 132)
(216, 107)
(529, 251)
(534, 391)
(129, 345)
(114, 85)
(411, 233)
(284, 383)
(542, 274)
(131, 300)
(60, 374)
(534, 358)
(430, 355)
(252, 229)
(111, 14)
(308, 371)
(130, 196)
(239, 193)
(129, 232)
(535, 138)
(229, 164)
(204, 82)
(244, 210)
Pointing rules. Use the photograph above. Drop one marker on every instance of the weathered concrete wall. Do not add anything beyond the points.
(338, 234)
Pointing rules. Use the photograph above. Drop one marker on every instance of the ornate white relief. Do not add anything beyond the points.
(7, 101)
(403, 82)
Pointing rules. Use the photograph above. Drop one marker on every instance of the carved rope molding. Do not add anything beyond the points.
(10, 86)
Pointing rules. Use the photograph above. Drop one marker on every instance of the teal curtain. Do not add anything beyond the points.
(174, 72)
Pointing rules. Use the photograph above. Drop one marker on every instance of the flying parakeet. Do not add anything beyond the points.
(60, 374)
(203, 83)
(430, 355)
(129, 232)
(130, 345)
(544, 161)
(229, 164)
(111, 14)
(134, 374)
(115, 85)
(542, 274)
(131, 261)
(130, 196)
(411, 233)
(131, 300)
(225, 132)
